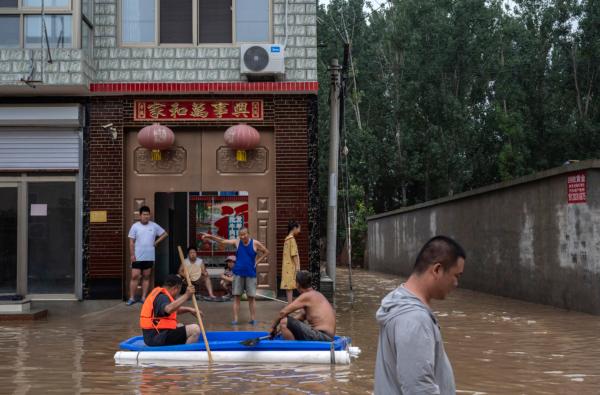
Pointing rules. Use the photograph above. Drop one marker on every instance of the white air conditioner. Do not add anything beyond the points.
(262, 59)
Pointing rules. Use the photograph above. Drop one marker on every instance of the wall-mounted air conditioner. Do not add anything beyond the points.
(262, 59)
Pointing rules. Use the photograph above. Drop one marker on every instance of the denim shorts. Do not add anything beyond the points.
(241, 284)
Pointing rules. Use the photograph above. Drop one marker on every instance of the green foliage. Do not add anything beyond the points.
(449, 95)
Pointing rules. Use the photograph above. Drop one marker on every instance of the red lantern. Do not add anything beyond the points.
(242, 137)
(156, 137)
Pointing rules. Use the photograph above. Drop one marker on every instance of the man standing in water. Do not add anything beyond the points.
(410, 351)
(244, 271)
(142, 244)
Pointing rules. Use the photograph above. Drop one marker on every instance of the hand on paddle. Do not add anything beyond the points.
(190, 291)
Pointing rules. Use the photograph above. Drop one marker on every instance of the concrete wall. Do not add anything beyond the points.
(69, 67)
(523, 240)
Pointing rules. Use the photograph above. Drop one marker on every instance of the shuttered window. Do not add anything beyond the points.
(176, 22)
(39, 149)
(214, 21)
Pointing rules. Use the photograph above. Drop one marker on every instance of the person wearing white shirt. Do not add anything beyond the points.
(144, 236)
(197, 271)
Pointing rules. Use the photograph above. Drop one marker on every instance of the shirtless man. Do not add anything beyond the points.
(318, 313)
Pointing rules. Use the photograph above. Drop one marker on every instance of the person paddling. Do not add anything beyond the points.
(158, 318)
(244, 271)
(318, 313)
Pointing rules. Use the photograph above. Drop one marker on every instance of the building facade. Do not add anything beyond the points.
(73, 173)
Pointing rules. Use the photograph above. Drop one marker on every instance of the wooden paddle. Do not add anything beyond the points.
(189, 283)
(270, 298)
(254, 341)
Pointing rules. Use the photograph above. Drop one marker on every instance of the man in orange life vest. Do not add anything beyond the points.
(158, 318)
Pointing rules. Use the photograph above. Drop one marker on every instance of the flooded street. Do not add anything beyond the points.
(496, 345)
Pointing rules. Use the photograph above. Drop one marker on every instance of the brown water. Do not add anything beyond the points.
(496, 345)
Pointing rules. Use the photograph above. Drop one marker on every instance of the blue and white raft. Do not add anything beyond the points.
(226, 347)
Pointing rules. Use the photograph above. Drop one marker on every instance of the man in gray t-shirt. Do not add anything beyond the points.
(144, 236)
(410, 352)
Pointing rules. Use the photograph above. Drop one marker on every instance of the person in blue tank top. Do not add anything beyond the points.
(249, 254)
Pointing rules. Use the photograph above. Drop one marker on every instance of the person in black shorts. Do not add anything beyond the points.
(143, 236)
(158, 318)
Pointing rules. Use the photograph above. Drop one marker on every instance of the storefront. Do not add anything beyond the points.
(40, 200)
(199, 183)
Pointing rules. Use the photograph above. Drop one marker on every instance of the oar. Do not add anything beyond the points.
(254, 341)
(189, 283)
(270, 298)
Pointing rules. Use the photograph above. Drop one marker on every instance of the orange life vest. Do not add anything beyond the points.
(147, 319)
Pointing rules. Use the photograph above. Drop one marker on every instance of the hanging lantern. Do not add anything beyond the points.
(241, 138)
(156, 137)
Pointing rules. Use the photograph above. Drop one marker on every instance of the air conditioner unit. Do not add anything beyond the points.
(262, 59)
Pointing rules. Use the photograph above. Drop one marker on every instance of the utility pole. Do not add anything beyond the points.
(334, 147)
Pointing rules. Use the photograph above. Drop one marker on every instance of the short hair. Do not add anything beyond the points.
(304, 279)
(292, 225)
(172, 280)
(439, 249)
(144, 209)
(191, 248)
(244, 229)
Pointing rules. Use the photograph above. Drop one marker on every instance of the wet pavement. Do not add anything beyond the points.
(496, 346)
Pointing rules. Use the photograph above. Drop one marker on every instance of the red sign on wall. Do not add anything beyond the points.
(197, 110)
(577, 187)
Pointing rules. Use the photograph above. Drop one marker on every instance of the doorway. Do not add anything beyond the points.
(39, 228)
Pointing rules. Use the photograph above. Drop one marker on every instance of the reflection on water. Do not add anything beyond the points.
(497, 346)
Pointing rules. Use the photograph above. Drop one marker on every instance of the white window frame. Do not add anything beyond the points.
(73, 9)
(195, 21)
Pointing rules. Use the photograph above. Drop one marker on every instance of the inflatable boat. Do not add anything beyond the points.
(229, 347)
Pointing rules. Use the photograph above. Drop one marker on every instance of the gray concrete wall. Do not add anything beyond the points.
(523, 240)
(69, 67)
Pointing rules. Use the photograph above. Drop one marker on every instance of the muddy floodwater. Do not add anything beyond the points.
(496, 346)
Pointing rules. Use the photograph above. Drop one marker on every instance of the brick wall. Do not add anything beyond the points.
(287, 115)
(105, 248)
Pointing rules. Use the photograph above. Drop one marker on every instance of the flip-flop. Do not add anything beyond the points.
(252, 322)
(234, 322)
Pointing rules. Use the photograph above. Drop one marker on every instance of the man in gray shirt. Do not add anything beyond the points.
(410, 351)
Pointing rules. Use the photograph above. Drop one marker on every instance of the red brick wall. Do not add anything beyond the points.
(287, 115)
(106, 189)
(291, 161)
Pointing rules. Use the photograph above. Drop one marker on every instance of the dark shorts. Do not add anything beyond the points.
(142, 265)
(302, 331)
(166, 337)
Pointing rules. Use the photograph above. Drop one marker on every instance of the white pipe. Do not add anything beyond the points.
(286, 25)
(303, 357)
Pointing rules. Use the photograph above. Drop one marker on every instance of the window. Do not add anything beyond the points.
(21, 23)
(176, 22)
(252, 20)
(47, 3)
(9, 31)
(192, 22)
(138, 22)
(58, 30)
(214, 21)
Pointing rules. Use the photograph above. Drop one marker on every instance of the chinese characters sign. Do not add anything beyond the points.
(197, 110)
(577, 187)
